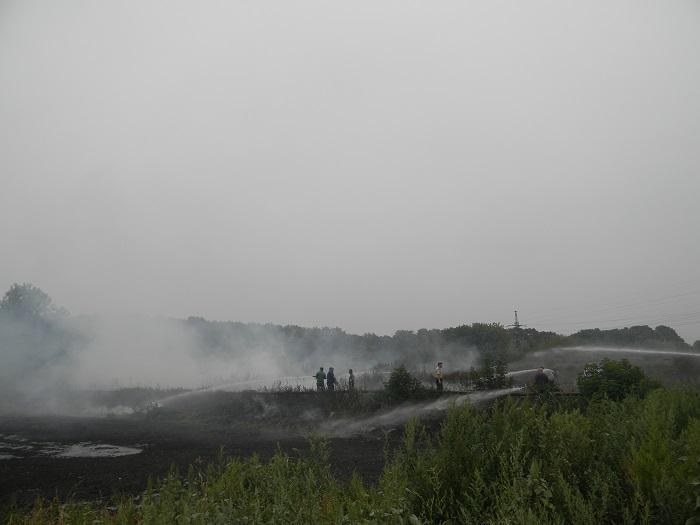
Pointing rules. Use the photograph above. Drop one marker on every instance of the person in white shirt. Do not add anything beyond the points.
(438, 375)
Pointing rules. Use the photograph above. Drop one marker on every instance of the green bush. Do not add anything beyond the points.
(402, 385)
(630, 461)
(491, 375)
(614, 380)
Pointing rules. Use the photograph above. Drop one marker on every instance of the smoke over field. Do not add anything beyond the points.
(137, 394)
(48, 356)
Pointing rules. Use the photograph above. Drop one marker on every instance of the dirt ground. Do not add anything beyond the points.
(190, 433)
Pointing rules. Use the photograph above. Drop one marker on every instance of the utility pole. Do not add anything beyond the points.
(517, 333)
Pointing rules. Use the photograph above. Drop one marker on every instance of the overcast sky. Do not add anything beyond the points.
(374, 165)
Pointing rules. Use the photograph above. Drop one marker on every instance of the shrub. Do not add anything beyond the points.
(490, 375)
(629, 461)
(403, 385)
(614, 380)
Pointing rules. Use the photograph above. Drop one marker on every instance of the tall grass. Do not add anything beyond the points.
(518, 462)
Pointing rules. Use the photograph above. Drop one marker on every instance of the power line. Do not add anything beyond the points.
(676, 289)
(618, 307)
(683, 320)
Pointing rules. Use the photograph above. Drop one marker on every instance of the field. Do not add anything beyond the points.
(286, 454)
(516, 460)
(194, 429)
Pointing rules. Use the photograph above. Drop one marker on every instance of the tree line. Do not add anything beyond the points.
(29, 318)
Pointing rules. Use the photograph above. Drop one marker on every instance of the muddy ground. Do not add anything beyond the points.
(186, 431)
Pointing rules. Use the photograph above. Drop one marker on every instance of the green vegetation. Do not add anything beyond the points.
(519, 462)
(415, 349)
(33, 337)
(613, 380)
(402, 385)
(27, 302)
(32, 326)
(661, 337)
(489, 376)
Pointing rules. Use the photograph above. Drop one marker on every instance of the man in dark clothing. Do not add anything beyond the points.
(320, 377)
(541, 380)
(351, 380)
(330, 380)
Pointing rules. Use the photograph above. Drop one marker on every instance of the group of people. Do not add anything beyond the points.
(328, 381)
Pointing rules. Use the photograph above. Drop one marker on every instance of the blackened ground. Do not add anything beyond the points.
(194, 433)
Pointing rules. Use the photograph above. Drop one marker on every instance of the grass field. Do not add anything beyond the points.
(519, 461)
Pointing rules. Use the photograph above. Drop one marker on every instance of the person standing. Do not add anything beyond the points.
(438, 375)
(331, 380)
(320, 378)
(541, 380)
(351, 380)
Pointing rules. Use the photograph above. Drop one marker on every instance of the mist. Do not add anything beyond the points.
(374, 166)
(49, 356)
(204, 203)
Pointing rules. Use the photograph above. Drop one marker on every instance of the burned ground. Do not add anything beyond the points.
(190, 430)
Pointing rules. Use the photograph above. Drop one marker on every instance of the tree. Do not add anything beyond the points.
(614, 380)
(638, 336)
(491, 339)
(33, 336)
(29, 303)
(403, 385)
(696, 345)
(491, 375)
(669, 335)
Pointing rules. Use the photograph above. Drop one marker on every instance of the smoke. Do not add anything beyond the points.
(523, 377)
(399, 415)
(47, 362)
(135, 351)
(666, 366)
(167, 353)
(632, 351)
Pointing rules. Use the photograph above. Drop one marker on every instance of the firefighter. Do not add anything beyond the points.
(331, 381)
(438, 375)
(541, 380)
(320, 378)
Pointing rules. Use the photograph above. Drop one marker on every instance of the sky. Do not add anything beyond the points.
(372, 165)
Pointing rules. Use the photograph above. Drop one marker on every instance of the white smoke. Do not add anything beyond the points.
(401, 414)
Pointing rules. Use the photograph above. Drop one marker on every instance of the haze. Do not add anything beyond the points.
(369, 165)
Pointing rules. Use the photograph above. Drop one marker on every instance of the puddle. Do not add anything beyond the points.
(17, 447)
(94, 450)
(4, 445)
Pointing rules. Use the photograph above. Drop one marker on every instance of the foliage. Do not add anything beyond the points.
(634, 336)
(628, 461)
(490, 375)
(614, 380)
(402, 385)
(29, 303)
(305, 349)
(490, 338)
(33, 336)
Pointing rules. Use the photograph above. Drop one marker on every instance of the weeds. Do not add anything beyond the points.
(520, 462)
